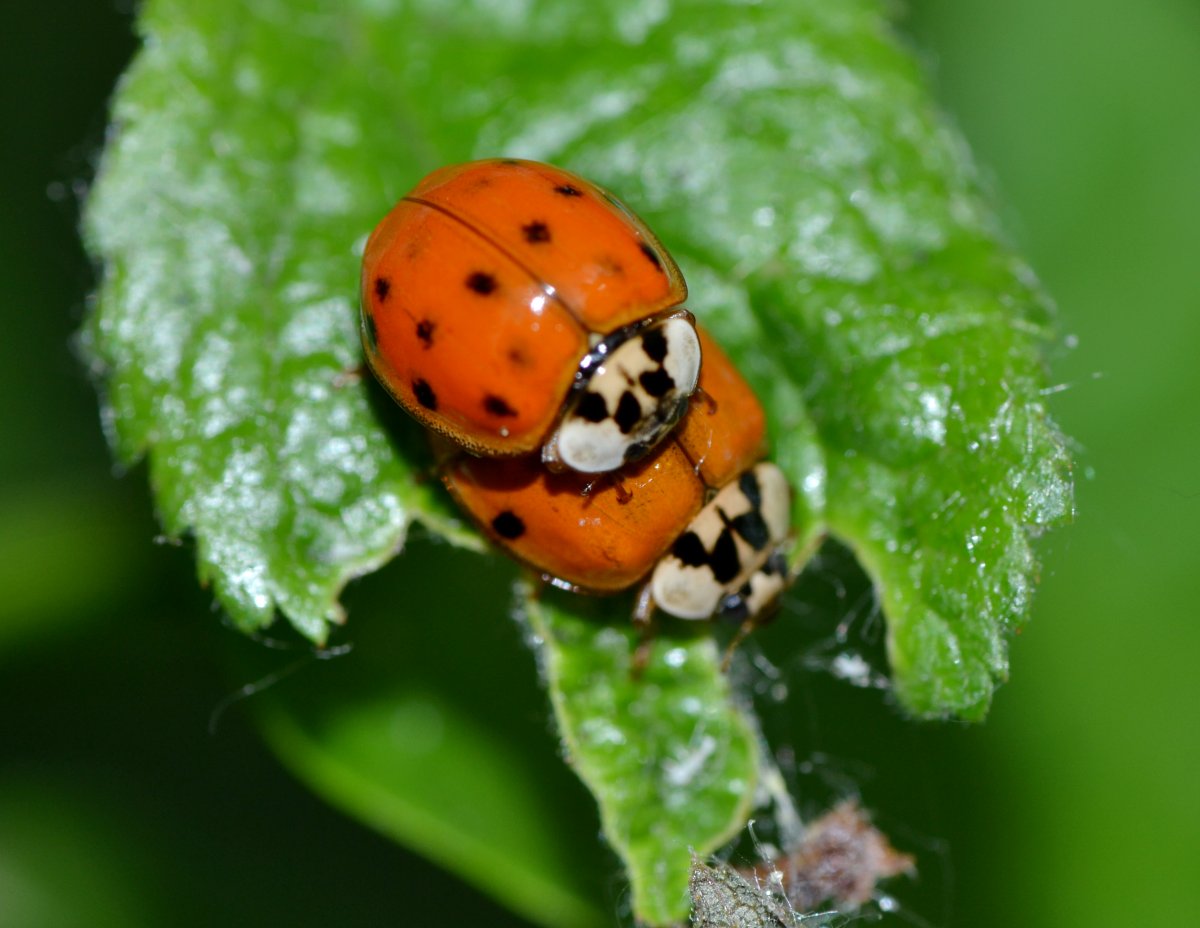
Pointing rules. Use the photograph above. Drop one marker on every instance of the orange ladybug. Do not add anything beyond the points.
(512, 306)
(702, 519)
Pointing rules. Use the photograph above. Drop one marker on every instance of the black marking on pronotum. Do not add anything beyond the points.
(748, 484)
(498, 406)
(383, 287)
(654, 343)
(508, 525)
(592, 408)
(567, 190)
(753, 528)
(689, 549)
(724, 559)
(424, 394)
(425, 332)
(656, 382)
(651, 254)
(481, 283)
(536, 233)
(371, 331)
(629, 413)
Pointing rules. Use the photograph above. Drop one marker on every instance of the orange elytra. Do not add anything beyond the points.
(515, 308)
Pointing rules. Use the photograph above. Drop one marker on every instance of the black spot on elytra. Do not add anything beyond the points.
(567, 190)
(370, 331)
(690, 550)
(481, 283)
(592, 408)
(536, 233)
(383, 287)
(654, 343)
(498, 406)
(724, 559)
(424, 394)
(753, 528)
(508, 525)
(629, 413)
(656, 382)
(748, 484)
(651, 254)
(610, 265)
(425, 332)
(509, 161)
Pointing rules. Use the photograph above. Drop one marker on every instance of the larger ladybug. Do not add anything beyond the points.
(512, 306)
(702, 520)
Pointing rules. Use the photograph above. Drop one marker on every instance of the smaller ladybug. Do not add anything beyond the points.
(514, 307)
(701, 521)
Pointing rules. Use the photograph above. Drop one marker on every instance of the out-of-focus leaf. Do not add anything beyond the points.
(63, 551)
(46, 831)
(437, 734)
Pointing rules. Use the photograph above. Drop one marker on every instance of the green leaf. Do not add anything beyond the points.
(670, 759)
(227, 212)
(829, 222)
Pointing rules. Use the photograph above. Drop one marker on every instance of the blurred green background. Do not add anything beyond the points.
(1076, 804)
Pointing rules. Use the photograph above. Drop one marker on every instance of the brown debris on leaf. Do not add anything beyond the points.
(723, 898)
(840, 860)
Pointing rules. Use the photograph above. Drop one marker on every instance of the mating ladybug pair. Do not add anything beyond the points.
(535, 324)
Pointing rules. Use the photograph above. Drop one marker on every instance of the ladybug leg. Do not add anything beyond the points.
(348, 378)
(762, 612)
(445, 453)
(643, 621)
(430, 474)
(709, 401)
(537, 584)
(749, 626)
(624, 494)
(745, 630)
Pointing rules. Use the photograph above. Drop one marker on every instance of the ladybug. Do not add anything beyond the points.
(702, 520)
(512, 306)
